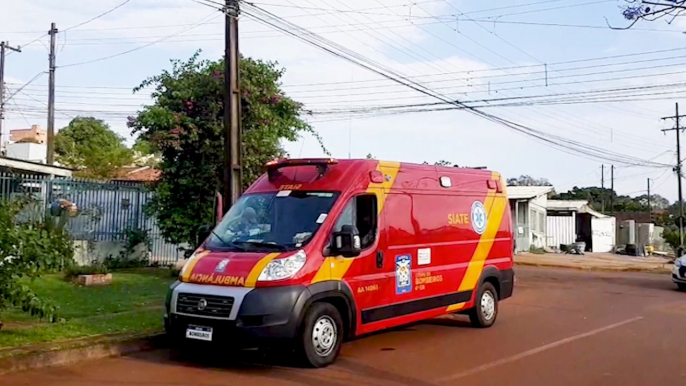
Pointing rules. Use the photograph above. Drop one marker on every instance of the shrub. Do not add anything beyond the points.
(94, 269)
(29, 248)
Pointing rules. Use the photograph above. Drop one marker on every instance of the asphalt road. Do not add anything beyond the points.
(562, 327)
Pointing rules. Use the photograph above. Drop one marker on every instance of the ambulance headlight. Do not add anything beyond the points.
(279, 269)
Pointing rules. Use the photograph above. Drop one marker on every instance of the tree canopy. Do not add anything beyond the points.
(185, 126)
(91, 147)
(528, 181)
(600, 198)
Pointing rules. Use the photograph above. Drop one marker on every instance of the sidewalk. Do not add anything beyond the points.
(597, 262)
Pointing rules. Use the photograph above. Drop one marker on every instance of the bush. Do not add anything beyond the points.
(95, 269)
(29, 248)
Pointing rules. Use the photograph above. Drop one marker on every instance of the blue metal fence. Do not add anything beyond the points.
(106, 209)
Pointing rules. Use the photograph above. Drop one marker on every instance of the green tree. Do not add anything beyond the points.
(185, 125)
(528, 181)
(92, 148)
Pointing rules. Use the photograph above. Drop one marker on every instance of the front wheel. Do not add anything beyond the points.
(321, 335)
(681, 286)
(485, 310)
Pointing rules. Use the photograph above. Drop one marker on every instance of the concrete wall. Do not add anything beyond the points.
(520, 221)
(31, 152)
(538, 223)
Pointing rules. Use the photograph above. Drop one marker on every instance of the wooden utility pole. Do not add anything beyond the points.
(612, 189)
(51, 97)
(677, 169)
(3, 47)
(602, 185)
(650, 207)
(233, 149)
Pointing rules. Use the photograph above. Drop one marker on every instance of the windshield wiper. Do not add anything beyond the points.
(261, 244)
(227, 244)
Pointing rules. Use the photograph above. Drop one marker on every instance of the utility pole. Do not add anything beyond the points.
(650, 207)
(677, 169)
(233, 149)
(602, 176)
(51, 97)
(602, 185)
(3, 47)
(612, 189)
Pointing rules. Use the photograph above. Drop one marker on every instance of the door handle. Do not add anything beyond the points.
(379, 259)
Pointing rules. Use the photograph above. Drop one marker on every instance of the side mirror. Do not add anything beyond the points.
(203, 233)
(347, 242)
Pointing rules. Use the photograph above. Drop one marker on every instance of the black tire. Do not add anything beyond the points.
(477, 315)
(681, 286)
(320, 319)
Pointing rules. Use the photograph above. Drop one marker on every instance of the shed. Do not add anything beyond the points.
(528, 210)
(573, 220)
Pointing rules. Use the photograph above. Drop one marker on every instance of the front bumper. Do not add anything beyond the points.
(259, 316)
(679, 274)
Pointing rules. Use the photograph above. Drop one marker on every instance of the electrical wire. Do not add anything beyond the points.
(563, 144)
(197, 24)
(97, 17)
(26, 84)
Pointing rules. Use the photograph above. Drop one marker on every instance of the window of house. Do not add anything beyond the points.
(361, 212)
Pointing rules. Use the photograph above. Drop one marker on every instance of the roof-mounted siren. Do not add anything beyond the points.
(322, 165)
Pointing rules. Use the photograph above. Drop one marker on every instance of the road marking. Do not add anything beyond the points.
(534, 351)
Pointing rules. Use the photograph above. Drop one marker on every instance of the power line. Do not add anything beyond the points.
(563, 144)
(197, 24)
(98, 16)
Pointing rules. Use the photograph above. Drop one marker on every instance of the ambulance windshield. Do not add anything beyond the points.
(278, 221)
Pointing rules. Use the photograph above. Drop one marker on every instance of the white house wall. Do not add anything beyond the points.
(561, 230)
(537, 221)
(603, 232)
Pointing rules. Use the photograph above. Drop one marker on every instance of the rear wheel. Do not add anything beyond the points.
(485, 310)
(321, 335)
(682, 286)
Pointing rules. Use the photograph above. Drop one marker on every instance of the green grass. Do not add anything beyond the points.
(132, 303)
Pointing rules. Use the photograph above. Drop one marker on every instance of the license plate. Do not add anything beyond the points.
(199, 333)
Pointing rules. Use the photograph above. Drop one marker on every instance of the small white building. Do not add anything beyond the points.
(569, 221)
(528, 210)
(27, 151)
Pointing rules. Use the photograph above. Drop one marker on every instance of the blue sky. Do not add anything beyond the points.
(426, 40)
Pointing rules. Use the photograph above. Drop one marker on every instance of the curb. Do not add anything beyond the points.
(78, 351)
(659, 270)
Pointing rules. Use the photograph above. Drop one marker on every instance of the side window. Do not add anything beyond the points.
(361, 212)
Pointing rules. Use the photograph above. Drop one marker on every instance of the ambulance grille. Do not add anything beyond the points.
(204, 305)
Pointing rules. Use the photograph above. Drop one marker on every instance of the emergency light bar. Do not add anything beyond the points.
(322, 165)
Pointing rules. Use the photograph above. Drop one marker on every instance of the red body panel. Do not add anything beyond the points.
(417, 216)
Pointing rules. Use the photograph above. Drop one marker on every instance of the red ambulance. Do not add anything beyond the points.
(318, 250)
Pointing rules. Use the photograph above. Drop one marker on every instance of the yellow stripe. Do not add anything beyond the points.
(495, 204)
(391, 170)
(456, 307)
(258, 268)
(190, 264)
(334, 268)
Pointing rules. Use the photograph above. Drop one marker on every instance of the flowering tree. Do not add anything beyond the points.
(185, 127)
(636, 10)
